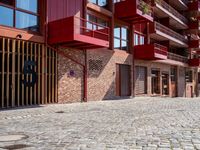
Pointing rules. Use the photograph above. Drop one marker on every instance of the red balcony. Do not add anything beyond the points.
(194, 62)
(194, 6)
(177, 57)
(163, 33)
(194, 25)
(194, 44)
(150, 52)
(78, 33)
(135, 11)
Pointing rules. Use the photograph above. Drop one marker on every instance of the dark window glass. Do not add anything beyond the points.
(188, 76)
(6, 16)
(93, 21)
(199, 77)
(7, 2)
(173, 74)
(26, 21)
(30, 5)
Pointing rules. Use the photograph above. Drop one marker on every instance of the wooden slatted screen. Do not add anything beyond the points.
(20, 63)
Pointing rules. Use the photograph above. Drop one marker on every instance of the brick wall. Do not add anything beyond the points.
(101, 66)
(101, 82)
(70, 77)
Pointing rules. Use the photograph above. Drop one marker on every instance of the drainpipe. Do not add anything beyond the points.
(85, 77)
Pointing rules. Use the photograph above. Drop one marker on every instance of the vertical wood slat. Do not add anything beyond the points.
(39, 74)
(56, 77)
(13, 73)
(46, 60)
(53, 76)
(27, 96)
(50, 75)
(31, 88)
(43, 74)
(7, 73)
(3, 63)
(18, 74)
(23, 56)
(35, 69)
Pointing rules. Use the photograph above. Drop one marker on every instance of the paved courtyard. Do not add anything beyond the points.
(140, 123)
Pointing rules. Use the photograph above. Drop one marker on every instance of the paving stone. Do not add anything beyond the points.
(133, 124)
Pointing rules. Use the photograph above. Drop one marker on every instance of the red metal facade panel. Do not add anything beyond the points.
(150, 52)
(63, 9)
(195, 62)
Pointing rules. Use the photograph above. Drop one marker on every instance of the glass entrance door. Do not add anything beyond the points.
(155, 82)
(165, 84)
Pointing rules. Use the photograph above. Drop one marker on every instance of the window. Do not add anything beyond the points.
(121, 38)
(26, 21)
(155, 81)
(93, 19)
(188, 76)
(6, 16)
(173, 74)
(99, 2)
(138, 39)
(22, 14)
(30, 5)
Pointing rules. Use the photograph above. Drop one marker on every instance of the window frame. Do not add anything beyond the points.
(97, 3)
(189, 76)
(120, 38)
(15, 9)
(139, 35)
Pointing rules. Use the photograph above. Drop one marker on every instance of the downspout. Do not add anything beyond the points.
(85, 77)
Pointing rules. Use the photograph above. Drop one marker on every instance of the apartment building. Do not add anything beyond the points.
(85, 50)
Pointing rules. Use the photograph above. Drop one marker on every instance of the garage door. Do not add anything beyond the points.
(140, 80)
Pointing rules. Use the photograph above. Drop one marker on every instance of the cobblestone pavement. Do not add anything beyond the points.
(140, 123)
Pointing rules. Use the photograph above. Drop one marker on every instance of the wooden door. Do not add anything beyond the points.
(123, 80)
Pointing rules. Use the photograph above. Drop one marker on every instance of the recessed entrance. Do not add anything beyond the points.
(165, 84)
(155, 81)
(123, 80)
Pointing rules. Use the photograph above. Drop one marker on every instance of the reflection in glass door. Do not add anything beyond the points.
(155, 82)
(165, 84)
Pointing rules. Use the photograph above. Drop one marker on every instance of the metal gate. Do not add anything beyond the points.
(140, 80)
(28, 73)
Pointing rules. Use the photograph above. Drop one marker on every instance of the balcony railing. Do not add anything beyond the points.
(78, 33)
(185, 1)
(170, 32)
(160, 49)
(91, 29)
(176, 57)
(171, 10)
